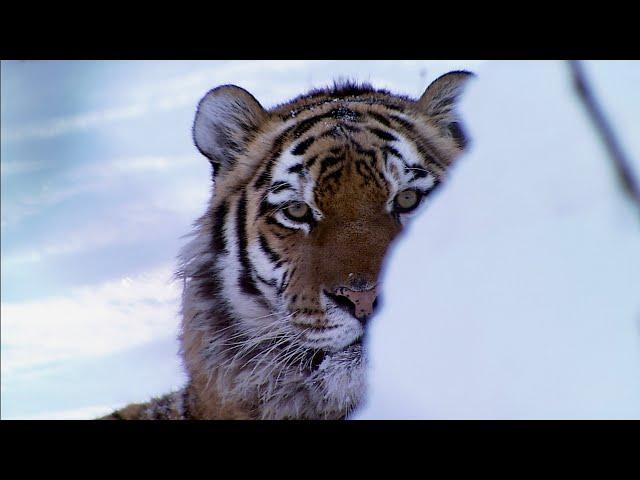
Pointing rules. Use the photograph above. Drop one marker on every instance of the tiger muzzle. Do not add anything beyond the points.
(360, 303)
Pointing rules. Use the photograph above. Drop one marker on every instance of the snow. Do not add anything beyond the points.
(516, 294)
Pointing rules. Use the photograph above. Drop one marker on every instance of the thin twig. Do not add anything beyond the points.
(620, 161)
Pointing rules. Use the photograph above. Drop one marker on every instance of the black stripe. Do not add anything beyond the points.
(367, 152)
(290, 231)
(274, 152)
(380, 118)
(381, 134)
(374, 172)
(392, 151)
(265, 207)
(271, 221)
(296, 168)
(327, 162)
(428, 151)
(350, 128)
(271, 283)
(245, 280)
(366, 172)
(405, 123)
(334, 132)
(286, 280)
(303, 146)
(219, 217)
(311, 161)
(306, 124)
(273, 256)
(335, 175)
(338, 130)
(340, 113)
(208, 283)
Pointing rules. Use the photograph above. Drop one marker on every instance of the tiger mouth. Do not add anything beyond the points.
(318, 332)
(329, 349)
(314, 328)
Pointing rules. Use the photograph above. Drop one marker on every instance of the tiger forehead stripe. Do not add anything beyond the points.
(380, 118)
(339, 113)
(303, 146)
(339, 129)
(383, 135)
(328, 162)
(274, 153)
(392, 128)
(368, 100)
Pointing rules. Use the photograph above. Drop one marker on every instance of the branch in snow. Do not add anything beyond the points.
(622, 164)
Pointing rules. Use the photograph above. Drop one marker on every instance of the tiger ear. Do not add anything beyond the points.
(439, 102)
(226, 119)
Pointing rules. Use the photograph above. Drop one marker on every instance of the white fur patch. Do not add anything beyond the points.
(267, 270)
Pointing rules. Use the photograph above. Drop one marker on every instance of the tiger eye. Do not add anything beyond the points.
(407, 200)
(298, 210)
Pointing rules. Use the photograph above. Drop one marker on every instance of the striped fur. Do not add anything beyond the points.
(265, 334)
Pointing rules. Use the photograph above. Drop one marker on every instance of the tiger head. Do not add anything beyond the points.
(308, 198)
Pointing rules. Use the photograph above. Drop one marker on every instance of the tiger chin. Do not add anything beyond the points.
(282, 273)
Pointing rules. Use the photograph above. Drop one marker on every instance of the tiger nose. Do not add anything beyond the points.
(363, 301)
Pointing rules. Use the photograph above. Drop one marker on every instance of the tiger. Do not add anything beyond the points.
(282, 274)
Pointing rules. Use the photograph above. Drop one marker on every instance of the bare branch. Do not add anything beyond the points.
(621, 163)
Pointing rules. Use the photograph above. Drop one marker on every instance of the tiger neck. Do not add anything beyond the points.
(224, 385)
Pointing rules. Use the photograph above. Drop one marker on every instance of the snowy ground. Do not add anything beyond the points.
(515, 295)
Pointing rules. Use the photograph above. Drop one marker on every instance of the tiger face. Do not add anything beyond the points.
(308, 198)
